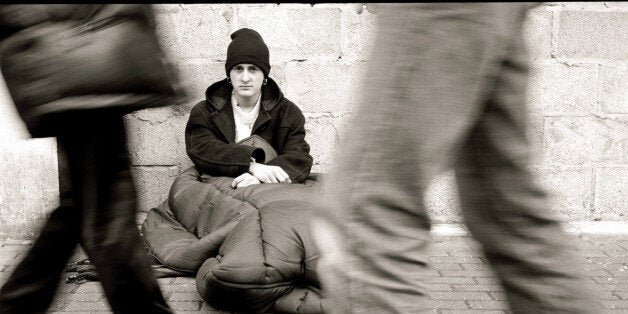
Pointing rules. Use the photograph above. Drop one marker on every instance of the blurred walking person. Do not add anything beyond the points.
(73, 71)
(445, 89)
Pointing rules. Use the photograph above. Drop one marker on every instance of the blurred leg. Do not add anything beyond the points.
(110, 236)
(423, 93)
(508, 213)
(33, 284)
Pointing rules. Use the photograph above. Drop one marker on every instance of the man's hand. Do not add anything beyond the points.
(269, 174)
(243, 180)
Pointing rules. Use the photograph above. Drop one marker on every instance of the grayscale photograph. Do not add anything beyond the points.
(312, 158)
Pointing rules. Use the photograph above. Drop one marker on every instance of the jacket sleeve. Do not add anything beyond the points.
(295, 158)
(209, 153)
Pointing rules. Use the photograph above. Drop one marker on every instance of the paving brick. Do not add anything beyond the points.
(595, 272)
(185, 296)
(607, 295)
(472, 312)
(179, 287)
(489, 305)
(439, 287)
(622, 294)
(467, 273)
(446, 295)
(447, 304)
(430, 273)
(591, 254)
(607, 259)
(605, 279)
(78, 312)
(8, 258)
(498, 295)
(620, 275)
(207, 308)
(610, 287)
(191, 281)
(450, 294)
(487, 281)
(483, 267)
(185, 305)
(88, 306)
(455, 259)
(478, 287)
(14, 248)
(438, 266)
(90, 287)
(615, 304)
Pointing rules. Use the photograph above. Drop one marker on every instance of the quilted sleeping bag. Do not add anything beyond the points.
(250, 247)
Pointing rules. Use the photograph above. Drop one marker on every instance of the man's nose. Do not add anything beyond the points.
(246, 75)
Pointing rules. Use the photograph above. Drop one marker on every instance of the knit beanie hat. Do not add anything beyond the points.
(247, 46)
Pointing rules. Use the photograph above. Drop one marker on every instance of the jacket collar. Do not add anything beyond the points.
(219, 93)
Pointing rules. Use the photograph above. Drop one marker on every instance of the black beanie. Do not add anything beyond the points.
(247, 46)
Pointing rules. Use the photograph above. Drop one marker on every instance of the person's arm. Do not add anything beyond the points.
(210, 153)
(295, 158)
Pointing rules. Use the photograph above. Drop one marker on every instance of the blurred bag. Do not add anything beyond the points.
(109, 58)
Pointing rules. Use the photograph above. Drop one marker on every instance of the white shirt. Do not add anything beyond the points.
(244, 120)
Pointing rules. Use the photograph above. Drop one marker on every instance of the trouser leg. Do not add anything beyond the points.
(33, 284)
(109, 233)
(505, 209)
(423, 92)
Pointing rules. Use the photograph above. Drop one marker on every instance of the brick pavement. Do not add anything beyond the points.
(460, 281)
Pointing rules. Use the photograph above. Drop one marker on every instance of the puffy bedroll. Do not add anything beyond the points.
(250, 247)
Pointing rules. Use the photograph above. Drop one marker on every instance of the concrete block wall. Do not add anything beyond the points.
(578, 110)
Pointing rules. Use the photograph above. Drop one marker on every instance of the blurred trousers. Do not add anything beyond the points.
(445, 88)
(97, 211)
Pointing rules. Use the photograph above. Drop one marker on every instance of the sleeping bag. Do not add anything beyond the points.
(250, 248)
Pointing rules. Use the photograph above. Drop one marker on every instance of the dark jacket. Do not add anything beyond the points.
(63, 58)
(210, 134)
